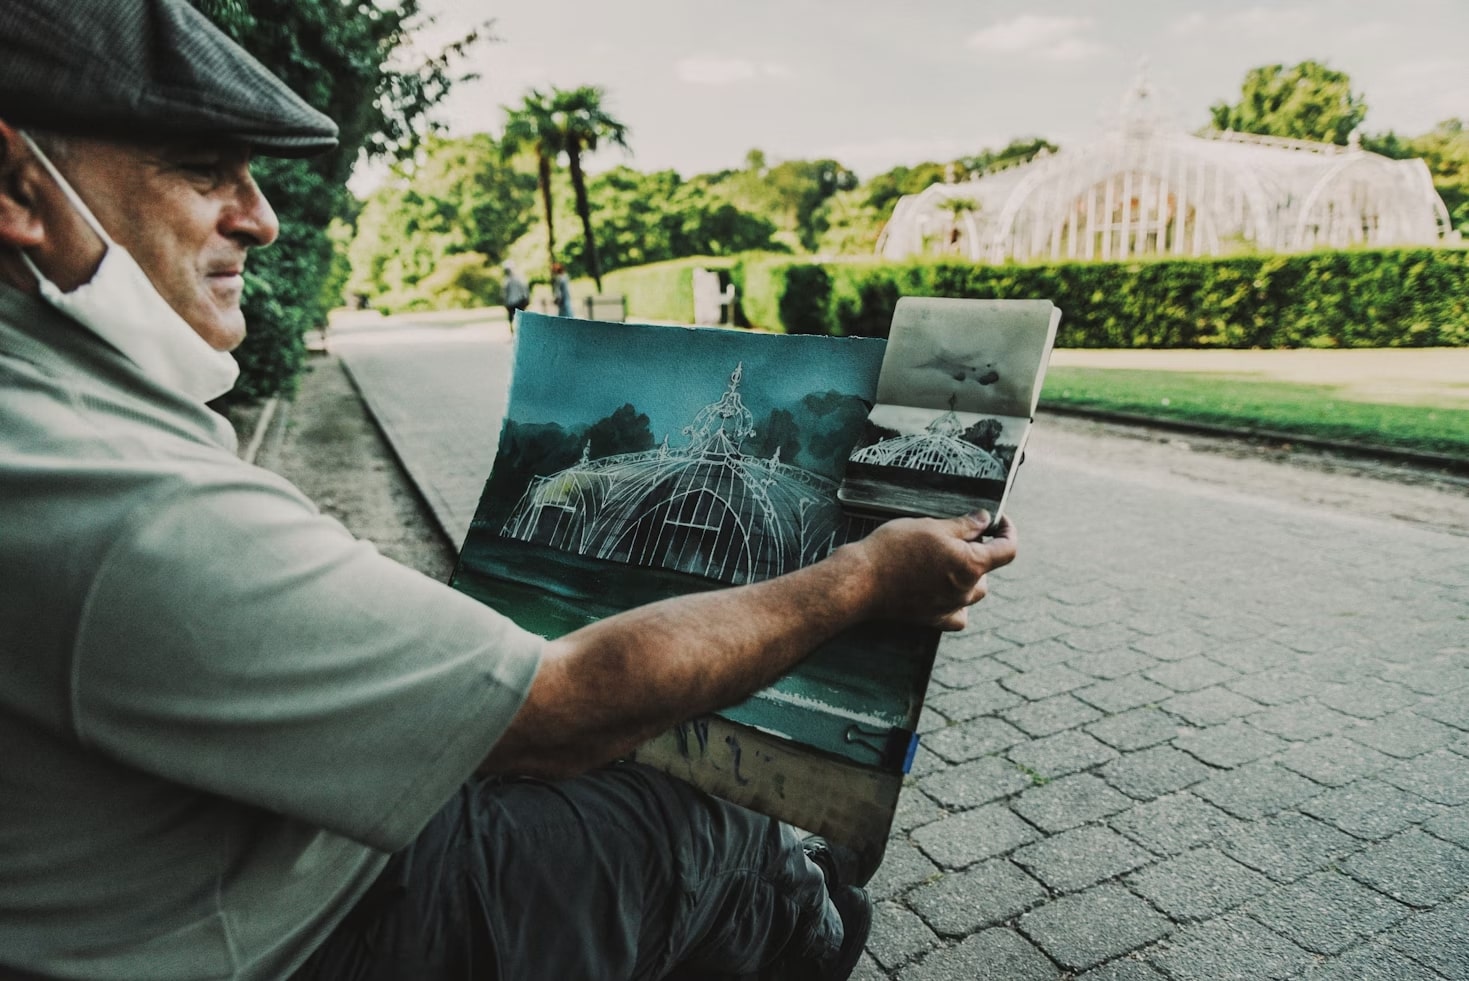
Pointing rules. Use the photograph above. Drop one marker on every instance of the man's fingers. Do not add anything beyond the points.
(956, 620)
(970, 526)
(999, 549)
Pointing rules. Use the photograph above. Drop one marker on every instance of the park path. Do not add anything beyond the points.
(1196, 732)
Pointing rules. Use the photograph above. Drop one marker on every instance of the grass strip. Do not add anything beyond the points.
(1317, 411)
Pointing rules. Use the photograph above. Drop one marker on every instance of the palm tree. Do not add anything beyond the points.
(534, 126)
(584, 125)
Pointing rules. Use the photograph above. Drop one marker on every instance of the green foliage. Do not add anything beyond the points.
(1321, 411)
(1380, 298)
(663, 290)
(433, 235)
(1017, 151)
(1308, 101)
(760, 282)
(341, 56)
(849, 226)
(1445, 151)
(649, 218)
(283, 283)
(790, 194)
(883, 191)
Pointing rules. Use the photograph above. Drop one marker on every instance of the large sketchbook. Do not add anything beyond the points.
(959, 385)
(638, 462)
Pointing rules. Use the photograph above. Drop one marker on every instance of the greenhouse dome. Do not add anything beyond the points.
(705, 508)
(1149, 188)
(940, 448)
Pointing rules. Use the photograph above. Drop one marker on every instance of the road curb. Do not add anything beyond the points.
(261, 427)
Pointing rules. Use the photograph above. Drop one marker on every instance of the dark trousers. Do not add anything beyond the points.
(623, 873)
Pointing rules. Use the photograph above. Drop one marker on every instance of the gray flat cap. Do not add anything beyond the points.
(145, 68)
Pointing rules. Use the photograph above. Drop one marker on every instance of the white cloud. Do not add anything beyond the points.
(1194, 23)
(719, 70)
(1274, 20)
(1050, 38)
(1074, 49)
(1255, 21)
(1440, 70)
(1414, 97)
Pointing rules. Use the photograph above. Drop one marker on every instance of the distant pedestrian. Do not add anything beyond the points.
(561, 284)
(517, 294)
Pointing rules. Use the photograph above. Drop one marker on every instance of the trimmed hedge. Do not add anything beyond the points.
(1379, 298)
(658, 290)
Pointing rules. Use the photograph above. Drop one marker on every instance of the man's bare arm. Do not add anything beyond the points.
(608, 687)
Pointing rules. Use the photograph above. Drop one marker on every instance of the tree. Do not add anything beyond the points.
(429, 237)
(644, 218)
(1017, 151)
(850, 226)
(1445, 151)
(584, 125)
(341, 57)
(534, 127)
(985, 433)
(1308, 101)
(884, 190)
(789, 193)
(625, 431)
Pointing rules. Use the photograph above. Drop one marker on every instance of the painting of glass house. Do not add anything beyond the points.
(705, 507)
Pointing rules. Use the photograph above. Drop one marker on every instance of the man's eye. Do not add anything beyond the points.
(202, 168)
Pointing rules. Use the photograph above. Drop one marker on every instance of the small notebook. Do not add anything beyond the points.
(956, 397)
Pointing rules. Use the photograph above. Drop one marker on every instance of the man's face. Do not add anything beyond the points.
(188, 213)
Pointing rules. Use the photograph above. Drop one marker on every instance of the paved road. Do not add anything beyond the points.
(1195, 733)
(438, 394)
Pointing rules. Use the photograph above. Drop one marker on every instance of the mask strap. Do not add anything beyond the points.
(69, 191)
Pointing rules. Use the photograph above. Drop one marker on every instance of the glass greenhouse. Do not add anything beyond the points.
(1151, 189)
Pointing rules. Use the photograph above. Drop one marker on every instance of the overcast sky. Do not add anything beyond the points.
(874, 83)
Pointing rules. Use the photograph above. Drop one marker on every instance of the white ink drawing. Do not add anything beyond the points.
(705, 508)
(941, 447)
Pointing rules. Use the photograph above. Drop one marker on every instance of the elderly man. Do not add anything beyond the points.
(238, 743)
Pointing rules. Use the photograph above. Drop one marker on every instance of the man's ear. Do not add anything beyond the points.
(20, 220)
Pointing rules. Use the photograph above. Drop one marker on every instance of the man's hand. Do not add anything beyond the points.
(606, 688)
(932, 571)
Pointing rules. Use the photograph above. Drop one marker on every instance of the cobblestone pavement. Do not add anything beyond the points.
(1194, 733)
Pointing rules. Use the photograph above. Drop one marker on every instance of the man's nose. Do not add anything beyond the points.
(249, 216)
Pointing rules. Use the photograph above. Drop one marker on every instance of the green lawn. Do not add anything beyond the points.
(1320, 411)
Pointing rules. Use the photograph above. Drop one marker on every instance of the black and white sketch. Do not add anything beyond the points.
(945, 445)
(959, 384)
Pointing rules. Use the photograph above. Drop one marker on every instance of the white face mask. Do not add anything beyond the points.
(121, 305)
